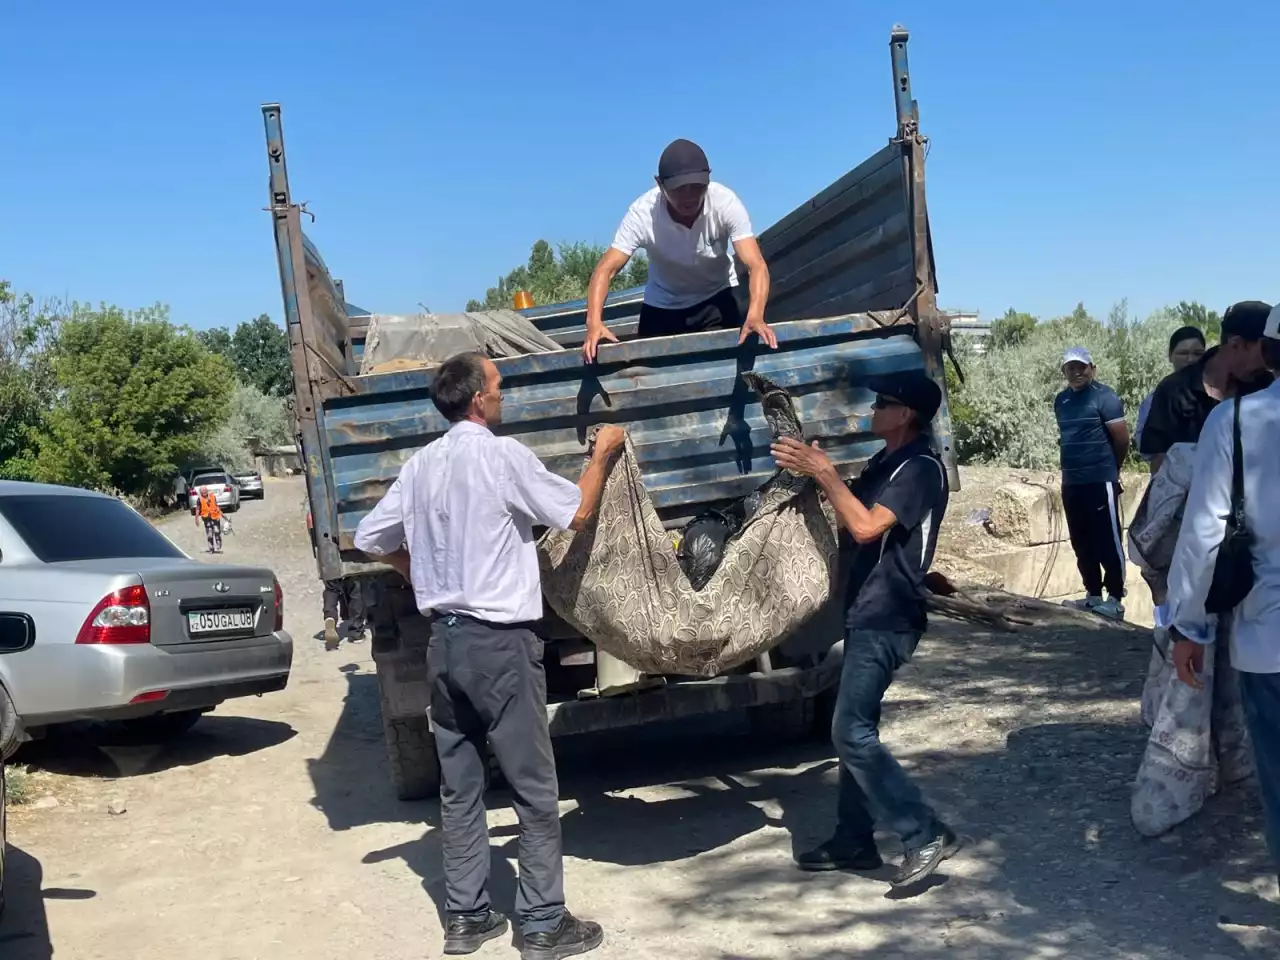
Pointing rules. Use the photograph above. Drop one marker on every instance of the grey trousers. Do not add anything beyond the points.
(487, 683)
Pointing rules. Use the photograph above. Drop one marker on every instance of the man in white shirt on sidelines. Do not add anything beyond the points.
(1255, 622)
(686, 225)
(466, 505)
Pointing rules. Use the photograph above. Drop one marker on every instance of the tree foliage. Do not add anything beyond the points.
(252, 416)
(1003, 413)
(259, 352)
(1198, 315)
(26, 382)
(554, 276)
(136, 398)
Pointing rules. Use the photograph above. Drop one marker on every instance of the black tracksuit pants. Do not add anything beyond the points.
(1093, 522)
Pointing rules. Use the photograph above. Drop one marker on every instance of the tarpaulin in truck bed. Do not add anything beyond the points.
(427, 339)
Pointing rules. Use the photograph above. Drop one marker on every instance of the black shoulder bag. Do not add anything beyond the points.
(1233, 574)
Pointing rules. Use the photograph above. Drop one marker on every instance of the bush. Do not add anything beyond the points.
(1004, 412)
(252, 414)
(17, 785)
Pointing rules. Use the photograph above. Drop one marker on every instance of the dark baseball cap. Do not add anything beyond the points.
(1246, 319)
(914, 389)
(682, 163)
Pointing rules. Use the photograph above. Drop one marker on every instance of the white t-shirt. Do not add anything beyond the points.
(687, 265)
(466, 506)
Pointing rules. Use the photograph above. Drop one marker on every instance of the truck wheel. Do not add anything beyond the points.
(788, 722)
(411, 748)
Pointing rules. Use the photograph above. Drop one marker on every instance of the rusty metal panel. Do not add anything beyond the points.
(697, 430)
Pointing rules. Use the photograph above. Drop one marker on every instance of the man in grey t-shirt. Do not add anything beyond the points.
(1094, 440)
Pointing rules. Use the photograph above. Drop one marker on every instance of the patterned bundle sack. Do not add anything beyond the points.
(621, 585)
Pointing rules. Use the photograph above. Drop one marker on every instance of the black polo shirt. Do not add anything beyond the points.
(885, 590)
(1180, 406)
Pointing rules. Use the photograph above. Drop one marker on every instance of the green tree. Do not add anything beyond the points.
(26, 383)
(1195, 314)
(136, 398)
(259, 352)
(554, 276)
(254, 415)
(1011, 329)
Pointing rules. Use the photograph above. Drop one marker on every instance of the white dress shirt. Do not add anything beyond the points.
(465, 505)
(1255, 630)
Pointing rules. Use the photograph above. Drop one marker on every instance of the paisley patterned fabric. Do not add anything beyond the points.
(621, 585)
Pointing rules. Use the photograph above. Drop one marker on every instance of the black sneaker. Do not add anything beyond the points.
(468, 933)
(833, 855)
(571, 938)
(920, 863)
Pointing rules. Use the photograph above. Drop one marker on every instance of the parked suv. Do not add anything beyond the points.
(125, 625)
(250, 485)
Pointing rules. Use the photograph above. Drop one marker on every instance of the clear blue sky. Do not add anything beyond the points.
(1080, 150)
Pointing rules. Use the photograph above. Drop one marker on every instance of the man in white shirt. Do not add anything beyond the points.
(466, 505)
(1255, 622)
(686, 225)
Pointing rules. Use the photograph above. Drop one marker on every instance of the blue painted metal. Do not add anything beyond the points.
(850, 270)
(903, 104)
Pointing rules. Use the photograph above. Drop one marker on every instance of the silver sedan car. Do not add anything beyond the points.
(125, 626)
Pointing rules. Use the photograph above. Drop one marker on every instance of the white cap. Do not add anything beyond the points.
(1077, 355)
(1272, 329)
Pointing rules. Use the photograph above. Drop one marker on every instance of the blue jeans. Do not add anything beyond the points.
(873, 787)
(1260, 697)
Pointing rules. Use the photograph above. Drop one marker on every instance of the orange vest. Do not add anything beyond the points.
(209, 508)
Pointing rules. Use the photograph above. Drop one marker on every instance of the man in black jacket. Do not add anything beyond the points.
(892, 511)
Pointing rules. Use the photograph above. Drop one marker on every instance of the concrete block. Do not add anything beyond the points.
(1048, 571)
(1029, 512)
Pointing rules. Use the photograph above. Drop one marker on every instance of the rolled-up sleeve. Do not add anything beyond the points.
(1204, 523)
(535, 491)
(381, 532)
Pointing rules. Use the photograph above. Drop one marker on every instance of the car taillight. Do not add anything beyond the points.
(279, 605)
(226, 489)
(120, 617)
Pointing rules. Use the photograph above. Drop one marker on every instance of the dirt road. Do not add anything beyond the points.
(270, 832)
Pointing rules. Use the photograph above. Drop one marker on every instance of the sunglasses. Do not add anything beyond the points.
(884, 403)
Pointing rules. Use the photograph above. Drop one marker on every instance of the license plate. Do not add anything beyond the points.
(219, 621)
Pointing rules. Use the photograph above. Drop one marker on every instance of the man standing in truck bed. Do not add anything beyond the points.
(686, 225)
(466, 505)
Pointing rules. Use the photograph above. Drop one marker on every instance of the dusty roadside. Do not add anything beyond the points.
(271, 831)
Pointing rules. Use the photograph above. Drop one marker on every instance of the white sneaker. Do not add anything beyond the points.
(1088, 604)
(330, 633)
(1111, 608)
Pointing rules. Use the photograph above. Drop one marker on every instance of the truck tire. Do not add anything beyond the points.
(411, 748)
(10, 731)
(790, 721)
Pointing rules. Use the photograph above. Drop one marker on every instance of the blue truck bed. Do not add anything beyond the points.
(853, 295)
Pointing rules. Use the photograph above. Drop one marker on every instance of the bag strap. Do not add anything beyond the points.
(1237, 471)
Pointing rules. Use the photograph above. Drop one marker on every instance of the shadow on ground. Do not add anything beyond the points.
(1028, 743)
(24, 928)
(109, 750)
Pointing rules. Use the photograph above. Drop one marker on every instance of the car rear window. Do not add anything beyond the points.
(60, 528)
(209, 479)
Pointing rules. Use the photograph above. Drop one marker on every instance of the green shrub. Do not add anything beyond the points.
(1003, 413)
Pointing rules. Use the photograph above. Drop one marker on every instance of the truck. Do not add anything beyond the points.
(854, 295)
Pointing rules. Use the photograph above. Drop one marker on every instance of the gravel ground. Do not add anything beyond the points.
(271, 831)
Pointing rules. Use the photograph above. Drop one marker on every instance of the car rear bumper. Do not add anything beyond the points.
(85, 682)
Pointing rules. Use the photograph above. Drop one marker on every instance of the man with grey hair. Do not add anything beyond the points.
(458, 525)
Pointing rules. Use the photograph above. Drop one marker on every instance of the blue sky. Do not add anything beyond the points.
(1079, 150)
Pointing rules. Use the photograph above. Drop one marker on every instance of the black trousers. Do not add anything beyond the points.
(487, 684)
(345, 597)
(720, 311)
(1093, 522)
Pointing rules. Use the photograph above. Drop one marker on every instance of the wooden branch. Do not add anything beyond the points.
(971, 610)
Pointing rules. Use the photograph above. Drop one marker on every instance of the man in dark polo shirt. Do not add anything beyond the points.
(892, 512)
(1093, 441)
(1183, 400)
